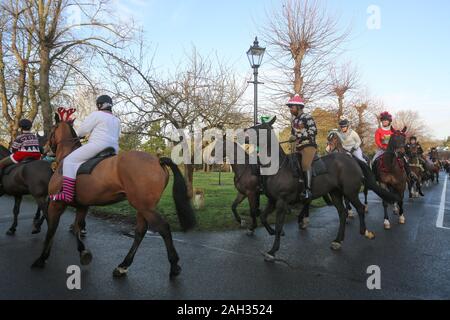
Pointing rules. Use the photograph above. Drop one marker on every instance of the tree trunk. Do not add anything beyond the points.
(340, 112)
(44, 90)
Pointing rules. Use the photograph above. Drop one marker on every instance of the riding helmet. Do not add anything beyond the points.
(296, 101)
(25, 124)
(344, 123)
(386, 116)
(104, 99)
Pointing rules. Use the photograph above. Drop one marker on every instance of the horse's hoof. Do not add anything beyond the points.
(366, 208)
(350, 214)
(85, 257)
(250, 232)
(38, 264)
(243, 224)
(120, 272)
(11, 232)
(36, 231)
(304, 224)
(336, 246)
(369, 235)
(83, 233)
(387, 225)
(175, 271)
(401, 219)
(269, 258)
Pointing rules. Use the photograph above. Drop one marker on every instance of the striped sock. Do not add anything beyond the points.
(68, 191)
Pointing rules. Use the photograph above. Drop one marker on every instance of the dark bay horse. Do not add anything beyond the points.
(334, 144)
(136, 176)
(27, 178)
(391, 174)
(344, 178)
(417, 168)
(245, 181)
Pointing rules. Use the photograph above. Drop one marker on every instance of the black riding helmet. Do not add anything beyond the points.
(25, 124)
(104, 102)
(344, 123)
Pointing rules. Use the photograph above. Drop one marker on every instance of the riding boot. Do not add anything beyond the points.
(307, 194)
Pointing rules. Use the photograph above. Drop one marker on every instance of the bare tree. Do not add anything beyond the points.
(343, 79)
(67, 32)
(200, 94)
(302, 39)
(413, 121)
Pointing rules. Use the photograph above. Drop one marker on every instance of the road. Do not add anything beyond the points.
(414, 259)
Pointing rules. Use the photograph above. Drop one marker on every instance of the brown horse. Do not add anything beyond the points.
(433, 164)
(391, 173)
(136, 176)
(415, 187)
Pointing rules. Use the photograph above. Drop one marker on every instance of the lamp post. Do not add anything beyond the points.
(255, 55)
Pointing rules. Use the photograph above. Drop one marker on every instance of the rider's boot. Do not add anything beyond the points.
(68, 191)
(407, 169)
(307, 194)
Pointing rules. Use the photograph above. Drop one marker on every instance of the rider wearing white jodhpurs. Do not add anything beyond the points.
(350, 140)
(103, 129)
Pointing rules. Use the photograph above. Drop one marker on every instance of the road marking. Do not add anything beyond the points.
(440, 218)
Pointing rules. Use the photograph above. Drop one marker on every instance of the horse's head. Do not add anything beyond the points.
(62, 133)
(332, 141)
(397, 141)
(259, 127)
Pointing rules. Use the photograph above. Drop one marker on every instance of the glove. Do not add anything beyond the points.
(352, 150)
(292, 138)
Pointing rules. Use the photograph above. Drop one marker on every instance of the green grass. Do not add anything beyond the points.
(216, 214)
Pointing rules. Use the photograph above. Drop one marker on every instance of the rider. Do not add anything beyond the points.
(103, 129)
(25, 146)
(304, 133)
(414, 143)
(382, 137)
(350, 139)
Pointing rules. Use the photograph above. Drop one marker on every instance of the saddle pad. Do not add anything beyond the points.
(89, 166)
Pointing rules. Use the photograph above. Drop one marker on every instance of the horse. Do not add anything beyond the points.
(343, 178)
(418, 171)
(334, 144)
(246, 183)
(136, 176)
(390, 172)
(433, 165)
(28, 177)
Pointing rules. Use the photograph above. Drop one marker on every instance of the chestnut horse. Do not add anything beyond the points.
(391, 173)
(136, 176)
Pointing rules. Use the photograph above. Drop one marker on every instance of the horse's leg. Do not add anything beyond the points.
(281, 207)
(268, 210)
(139, 233)
(38, 218)
(254, 207)
(159, 224)
(239, 198)
(303, 217)
(337, 199)
(85, 255)
(401, 218)
(55, 211)
(16, 210)
(349, 209)
(366, 203)
(354, 199)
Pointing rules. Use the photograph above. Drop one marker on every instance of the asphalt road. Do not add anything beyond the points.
(414, 259)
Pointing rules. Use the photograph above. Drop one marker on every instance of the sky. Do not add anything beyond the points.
(405, 62)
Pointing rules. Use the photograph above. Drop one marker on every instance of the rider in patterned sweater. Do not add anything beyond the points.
(414, 143)
(304, 133)
(25, 146)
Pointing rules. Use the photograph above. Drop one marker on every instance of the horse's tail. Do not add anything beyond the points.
(183, 206)
(372, 184)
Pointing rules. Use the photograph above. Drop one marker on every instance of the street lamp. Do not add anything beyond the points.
(255, 55)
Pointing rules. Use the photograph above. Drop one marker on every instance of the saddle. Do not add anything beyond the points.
(318, 166)
(89, 166)
(7, 170)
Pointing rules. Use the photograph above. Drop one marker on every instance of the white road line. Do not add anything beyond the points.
(440, 218)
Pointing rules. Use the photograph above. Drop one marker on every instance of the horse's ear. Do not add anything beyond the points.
(70, 122)
(404, 129)
(57, 119)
